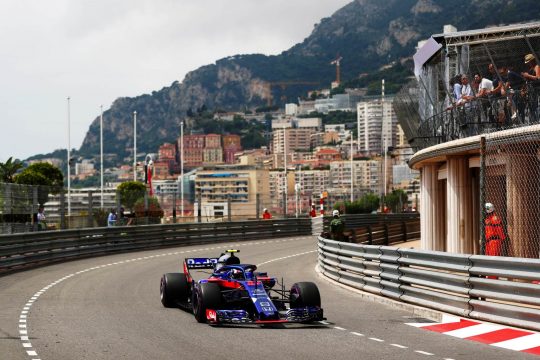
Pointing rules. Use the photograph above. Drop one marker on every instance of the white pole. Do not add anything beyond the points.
(69, 156)
(385, 136)
(285, 166)
(101, 150)
(182, 167)
(385, 151)
(134, 146)
(352, 168)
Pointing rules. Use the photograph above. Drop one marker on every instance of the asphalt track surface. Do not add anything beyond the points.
(109, 308)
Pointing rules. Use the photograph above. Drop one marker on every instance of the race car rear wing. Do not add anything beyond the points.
(200, 263)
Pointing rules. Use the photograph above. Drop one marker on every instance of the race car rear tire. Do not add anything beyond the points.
(205, 296)
(173, 289)
(305, 294)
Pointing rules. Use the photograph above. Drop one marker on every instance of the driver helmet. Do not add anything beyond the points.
(490, 208)
(236, 274)
(335, 213)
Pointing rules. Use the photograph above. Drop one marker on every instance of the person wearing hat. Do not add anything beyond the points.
(266, 214)
(494, 232)
(533, 75)
(337, 226)
(533, 72)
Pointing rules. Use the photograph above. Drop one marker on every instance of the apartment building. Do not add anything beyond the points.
(218, 185)
(377, 124)
(287, 140)
(366, 176)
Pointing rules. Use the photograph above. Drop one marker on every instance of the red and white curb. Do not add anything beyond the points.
(490, 334)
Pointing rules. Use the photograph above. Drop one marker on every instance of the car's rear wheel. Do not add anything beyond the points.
(305, 294)
(205, 296)
(173, 289)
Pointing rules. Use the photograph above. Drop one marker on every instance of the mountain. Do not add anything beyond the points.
(366, 33)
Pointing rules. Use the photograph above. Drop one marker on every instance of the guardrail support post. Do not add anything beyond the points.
(404, 230)
(370, 235)
(90, 209)
(62, 209)
(386, 240)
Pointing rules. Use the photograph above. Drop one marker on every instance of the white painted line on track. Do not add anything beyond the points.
(399, 346)
(376, 339)
(22, 319)
(339, 328)
(423, 352)
(357, 334)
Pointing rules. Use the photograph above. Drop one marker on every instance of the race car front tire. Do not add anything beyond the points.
(173, 289)
(305, 294)
(205, 296)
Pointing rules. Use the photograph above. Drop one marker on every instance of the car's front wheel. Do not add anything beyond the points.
(305, 294)
(205, 296)
(173, 289)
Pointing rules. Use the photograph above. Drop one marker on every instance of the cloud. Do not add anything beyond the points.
(97, 51)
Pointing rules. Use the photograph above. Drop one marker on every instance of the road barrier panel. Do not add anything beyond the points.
(499, 289)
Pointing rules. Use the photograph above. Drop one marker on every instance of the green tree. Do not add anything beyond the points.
(396, 199)
(130, 192)
(365, 205)
(9, 169)
(46, 176)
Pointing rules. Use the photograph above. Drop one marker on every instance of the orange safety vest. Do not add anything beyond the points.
(494, 228)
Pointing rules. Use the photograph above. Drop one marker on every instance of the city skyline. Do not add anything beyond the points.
(100, 51)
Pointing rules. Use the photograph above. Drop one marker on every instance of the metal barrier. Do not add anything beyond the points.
(22, 251)
(380, 229)
(499, 289)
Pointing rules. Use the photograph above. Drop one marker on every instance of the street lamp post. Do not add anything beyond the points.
(285, 167)
(182, 167)
(352, 169)
(69, 155)
(134, 146)
(101, 150)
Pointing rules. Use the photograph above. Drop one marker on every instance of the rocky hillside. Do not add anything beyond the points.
(366, 33)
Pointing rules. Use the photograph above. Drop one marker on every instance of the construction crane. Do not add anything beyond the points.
(283, 85)
(337, 62)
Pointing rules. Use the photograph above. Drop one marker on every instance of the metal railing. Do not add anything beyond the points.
(480, 116)
(22, 251)
(498, 289)
(379, 229)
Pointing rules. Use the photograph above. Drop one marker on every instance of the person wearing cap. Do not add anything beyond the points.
(266, 215)
(337, 226)
(494, 232)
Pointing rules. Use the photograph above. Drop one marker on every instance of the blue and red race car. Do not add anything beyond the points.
(236, 293)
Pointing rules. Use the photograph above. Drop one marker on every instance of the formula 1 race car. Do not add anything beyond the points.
(237, 294)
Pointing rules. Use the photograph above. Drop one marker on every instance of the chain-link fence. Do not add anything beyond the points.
(510, 181)
(477, 83)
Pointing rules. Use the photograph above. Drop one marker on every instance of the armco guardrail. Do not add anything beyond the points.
(33, 249)
(380, 229)
(498, 289)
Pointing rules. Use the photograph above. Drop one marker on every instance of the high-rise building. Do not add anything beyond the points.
(377, 124)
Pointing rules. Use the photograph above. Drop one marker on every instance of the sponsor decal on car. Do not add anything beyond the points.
(211, 315)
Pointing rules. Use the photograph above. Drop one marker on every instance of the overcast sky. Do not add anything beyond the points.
(96, 51)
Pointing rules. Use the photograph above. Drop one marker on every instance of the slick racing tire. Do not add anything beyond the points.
(305, 294)
(173, 289)
(205, 296)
